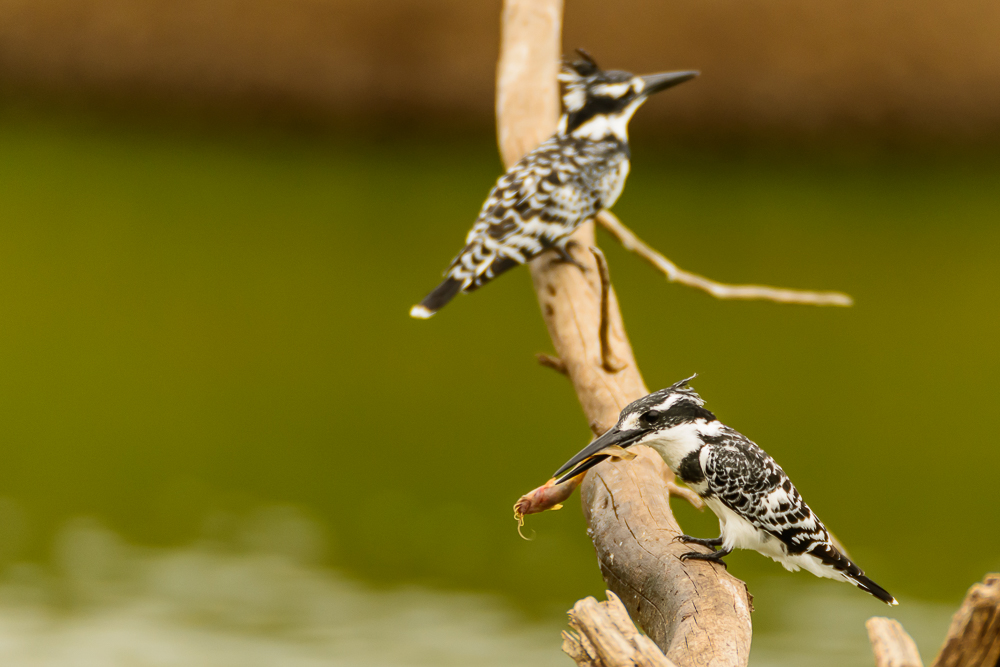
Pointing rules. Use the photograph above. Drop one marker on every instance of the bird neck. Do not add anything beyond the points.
(601, 127)
(676, 443)
(598, 126)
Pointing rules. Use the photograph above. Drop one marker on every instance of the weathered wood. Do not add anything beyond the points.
(606, 637)
(527, 89)
(973, 638)
(890, 643)
(696, 612)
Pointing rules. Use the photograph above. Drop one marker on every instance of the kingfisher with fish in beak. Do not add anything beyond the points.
(757, 505)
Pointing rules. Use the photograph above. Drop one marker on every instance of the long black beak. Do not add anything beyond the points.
(657, 82)
(589, 455)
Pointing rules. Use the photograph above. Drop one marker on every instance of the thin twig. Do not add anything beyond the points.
(608, 360)
(675, 274)
(555, 363)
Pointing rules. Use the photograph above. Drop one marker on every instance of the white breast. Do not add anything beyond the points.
(602, 126)
(678, 442)
(738, 533)
(613, 183)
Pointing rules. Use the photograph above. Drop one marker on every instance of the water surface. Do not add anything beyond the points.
(205, 323)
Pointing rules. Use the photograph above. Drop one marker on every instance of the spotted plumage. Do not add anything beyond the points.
(558, 186)
(757, 505)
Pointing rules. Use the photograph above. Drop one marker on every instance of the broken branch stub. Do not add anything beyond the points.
(604, 636)
(890, 643)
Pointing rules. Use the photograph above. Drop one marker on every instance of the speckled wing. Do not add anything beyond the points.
(537, 204)
(749, 482)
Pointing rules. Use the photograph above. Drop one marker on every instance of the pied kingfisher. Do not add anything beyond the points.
(758, 506)
(555, 188)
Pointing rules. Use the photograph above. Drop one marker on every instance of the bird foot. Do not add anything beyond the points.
(565, 257)
(714, 557)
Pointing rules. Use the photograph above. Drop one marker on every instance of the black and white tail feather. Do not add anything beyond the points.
(757, 505)
(555, 188)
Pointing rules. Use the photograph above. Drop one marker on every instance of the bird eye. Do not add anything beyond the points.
(651, 417)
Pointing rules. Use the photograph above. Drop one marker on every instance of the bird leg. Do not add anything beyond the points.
(610, 363)
(705, 542)
(715, 556)
(562, 249)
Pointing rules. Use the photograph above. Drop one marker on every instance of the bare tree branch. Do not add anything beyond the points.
(696, 612)
(675, 274)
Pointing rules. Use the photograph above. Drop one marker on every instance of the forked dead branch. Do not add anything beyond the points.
(696, 613)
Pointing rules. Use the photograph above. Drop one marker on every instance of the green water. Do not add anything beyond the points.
(207, 323)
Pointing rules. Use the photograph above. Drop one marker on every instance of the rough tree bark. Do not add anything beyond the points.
(695, 612)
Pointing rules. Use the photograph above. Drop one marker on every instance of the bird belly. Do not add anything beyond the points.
(816, 566)
(738, 533)
(613, 183)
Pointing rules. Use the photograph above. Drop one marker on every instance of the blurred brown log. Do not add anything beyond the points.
(973, 638)
(695, 612)
(774, 67)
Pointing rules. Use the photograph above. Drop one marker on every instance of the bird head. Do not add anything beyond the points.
(597, 101)
(643, 421)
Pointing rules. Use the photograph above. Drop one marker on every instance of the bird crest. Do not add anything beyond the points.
(676, 390)
(682, 385)
(575, 75)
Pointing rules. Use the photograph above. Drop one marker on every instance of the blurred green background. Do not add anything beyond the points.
(202, 324)
(224, 441)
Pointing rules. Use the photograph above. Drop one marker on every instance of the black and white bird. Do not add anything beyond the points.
(555, 188)
(758, 506)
